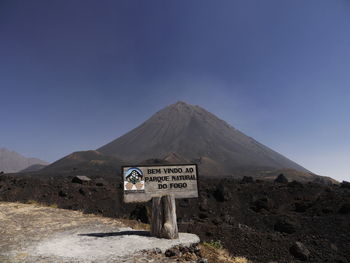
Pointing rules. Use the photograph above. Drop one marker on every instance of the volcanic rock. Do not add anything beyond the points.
(286, 225)
(222, 193)
(334, 247)
(295, 184)
(345, 184)
(157, 250)
(247, 179)
(62, 193)
(172, 252)
(281, 179)
(81, 191)
(299, 251)
(203, 205)
(229, 219)
(301, 207)
(345, 209)
(80, 179)
(262, 203)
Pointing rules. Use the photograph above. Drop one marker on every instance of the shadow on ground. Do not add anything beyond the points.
(121, 233)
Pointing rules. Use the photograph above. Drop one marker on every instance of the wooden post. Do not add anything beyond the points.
(164, 223)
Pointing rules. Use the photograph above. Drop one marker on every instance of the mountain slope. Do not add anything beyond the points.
(11, 162)
(87, 162)
(195, 134)
(33, 168)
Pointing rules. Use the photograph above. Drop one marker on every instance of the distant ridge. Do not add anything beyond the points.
(183, 132)
(12, 162)
(85, 161)
(33, 168)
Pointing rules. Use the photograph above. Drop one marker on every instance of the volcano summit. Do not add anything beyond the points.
(183, 133)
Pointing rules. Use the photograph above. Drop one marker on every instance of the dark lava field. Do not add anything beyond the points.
(263, 221)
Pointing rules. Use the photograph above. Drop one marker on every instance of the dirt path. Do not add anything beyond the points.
(34, 233)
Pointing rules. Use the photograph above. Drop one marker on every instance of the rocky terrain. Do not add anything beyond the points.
(264, 221)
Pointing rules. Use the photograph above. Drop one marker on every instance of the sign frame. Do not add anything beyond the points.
(129, 200)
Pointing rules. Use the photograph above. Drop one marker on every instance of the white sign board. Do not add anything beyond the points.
(141, 183)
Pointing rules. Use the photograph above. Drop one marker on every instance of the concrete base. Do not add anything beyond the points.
(91, 246)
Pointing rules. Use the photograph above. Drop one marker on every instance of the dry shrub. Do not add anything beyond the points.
(220, 255)
(36, 203)
(33, 202)
(135, 224)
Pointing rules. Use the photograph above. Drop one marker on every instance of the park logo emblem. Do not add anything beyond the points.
(134, 180)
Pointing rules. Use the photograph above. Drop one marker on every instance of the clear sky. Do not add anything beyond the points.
(75, 75)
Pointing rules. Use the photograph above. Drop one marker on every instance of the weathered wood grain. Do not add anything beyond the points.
(164, 222)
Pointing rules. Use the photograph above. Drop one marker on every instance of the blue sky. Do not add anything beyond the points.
(75, 75)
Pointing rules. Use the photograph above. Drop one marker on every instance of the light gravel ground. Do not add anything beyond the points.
(33, 233)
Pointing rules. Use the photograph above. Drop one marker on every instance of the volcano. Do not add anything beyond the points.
(182, 133)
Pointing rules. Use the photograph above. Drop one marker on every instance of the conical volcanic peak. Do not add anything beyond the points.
(181, 111)
(194, 134)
